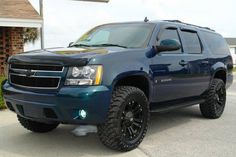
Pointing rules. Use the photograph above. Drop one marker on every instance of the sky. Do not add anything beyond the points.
(66, 20)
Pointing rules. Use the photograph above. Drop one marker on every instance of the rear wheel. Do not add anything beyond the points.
(215, 100)
(127, 120)
(36, 126)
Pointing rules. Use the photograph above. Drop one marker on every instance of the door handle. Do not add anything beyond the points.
(183, 63)
(205, 62)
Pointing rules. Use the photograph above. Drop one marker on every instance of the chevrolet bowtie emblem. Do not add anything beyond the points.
(29, 73)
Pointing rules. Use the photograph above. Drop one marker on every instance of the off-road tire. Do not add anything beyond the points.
(37, 127)
(112, 133)
(214, 105)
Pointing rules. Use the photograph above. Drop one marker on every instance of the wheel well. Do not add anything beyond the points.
(140, 82)
(221, 74)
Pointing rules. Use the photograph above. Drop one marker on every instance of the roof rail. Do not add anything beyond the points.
(178, 21)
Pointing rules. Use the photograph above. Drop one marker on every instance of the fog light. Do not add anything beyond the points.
(82, 114)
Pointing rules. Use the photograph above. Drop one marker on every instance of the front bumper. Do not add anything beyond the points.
(62, 106)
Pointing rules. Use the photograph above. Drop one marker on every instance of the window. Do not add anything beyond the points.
(170, 34)
(100, 37)
(191, 42)
(216, 43)
(128, 35)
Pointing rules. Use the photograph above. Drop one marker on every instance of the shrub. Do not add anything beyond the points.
(2, 81)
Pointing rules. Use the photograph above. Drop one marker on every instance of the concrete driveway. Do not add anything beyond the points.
(180, 133)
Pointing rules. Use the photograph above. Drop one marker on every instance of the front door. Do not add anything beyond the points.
(170, 70)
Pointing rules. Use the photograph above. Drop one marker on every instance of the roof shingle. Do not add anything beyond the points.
(18, 9)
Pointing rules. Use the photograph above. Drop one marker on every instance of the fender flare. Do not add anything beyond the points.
(134, 73)
(216, 68)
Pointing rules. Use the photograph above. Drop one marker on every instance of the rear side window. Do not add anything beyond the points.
(191, 42)
(170, 34)
(216, 43)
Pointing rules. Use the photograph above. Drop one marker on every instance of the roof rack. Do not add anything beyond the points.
(178, 21)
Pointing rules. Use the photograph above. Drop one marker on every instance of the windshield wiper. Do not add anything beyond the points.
(80, 45)
(116, 45)
(97, 45)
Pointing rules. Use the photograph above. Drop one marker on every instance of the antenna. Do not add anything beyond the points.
(146, 19)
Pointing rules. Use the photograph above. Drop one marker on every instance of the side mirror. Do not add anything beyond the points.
(168, 45)
(70, 44)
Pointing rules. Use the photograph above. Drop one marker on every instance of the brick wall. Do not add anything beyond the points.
(11, 42)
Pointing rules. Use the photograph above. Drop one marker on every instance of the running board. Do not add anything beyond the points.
(172, 105)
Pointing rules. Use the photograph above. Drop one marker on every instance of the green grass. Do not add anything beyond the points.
(234, 70)
(2, 105)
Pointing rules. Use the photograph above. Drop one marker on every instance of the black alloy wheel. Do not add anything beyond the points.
(127, 119)
(132, 121)
(214, 105)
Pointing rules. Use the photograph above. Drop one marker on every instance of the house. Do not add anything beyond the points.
(232, 45)
(14, 16)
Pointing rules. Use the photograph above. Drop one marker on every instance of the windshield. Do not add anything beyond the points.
(120, 35)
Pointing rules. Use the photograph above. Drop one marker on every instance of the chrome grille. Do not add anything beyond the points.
(37, 67)
(35, 76)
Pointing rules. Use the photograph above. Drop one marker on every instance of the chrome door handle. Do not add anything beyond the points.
(205, 62)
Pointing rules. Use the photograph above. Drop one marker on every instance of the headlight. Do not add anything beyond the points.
(87, 75)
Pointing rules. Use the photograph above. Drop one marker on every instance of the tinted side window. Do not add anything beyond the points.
(216, 43)
(191, 42)
(169, 34)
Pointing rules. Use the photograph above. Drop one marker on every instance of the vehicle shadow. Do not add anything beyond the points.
(61, 142)
(161, 121)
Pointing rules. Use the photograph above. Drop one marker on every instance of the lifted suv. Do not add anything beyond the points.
(116, 74)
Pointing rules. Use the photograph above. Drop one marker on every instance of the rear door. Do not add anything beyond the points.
(196, 56)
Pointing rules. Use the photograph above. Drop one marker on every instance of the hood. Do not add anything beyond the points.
(62, 56)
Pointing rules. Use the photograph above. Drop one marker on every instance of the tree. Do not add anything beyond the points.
(30, 35)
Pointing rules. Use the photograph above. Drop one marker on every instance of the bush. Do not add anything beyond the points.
(2, 80)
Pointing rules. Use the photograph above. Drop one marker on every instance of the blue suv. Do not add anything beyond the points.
(116, 74)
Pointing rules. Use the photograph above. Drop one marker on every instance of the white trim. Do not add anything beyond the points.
(12, 22)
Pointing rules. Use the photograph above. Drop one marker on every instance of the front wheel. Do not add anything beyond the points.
(127, 120)
(215, 100)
